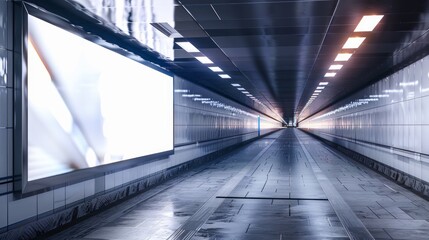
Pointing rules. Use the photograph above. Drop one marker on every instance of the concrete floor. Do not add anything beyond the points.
(287, 185)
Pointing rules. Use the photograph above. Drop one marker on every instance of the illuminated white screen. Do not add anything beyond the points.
(89, 106)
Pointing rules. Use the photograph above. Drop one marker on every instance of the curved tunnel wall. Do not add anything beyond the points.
(387, 122)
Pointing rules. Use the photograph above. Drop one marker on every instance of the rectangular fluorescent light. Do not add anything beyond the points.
(216, 69)
(317, 91)
(315, 94)
(320, 88)
(335, 67)
(330, 74)
(249, 95)
(224, 76)
(323, 83)
(241, 89)
(187, 46)
(368, 23)
(342, 57)
(353, 42)
(245, 92)
(235, 84)
(204, 60)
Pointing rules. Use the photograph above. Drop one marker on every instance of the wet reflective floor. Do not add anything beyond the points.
(287, 185)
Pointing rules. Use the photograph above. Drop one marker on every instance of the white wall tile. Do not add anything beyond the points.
(89, 188)
(4, 105)
(6, 68)
(75, 192)
(118, 178)
(9, 119)
(19, 210)
(109, 180)
(45, 202)
(100, 184)
(9, 152)
(3, 152)
(126, 176)
(3, 24)
(3, 211)
(59, 197)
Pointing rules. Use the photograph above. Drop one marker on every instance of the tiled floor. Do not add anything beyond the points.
(277, 196)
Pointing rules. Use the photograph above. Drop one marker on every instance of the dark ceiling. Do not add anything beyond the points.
(280, 49)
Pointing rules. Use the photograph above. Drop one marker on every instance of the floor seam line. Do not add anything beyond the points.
(352, 224)
(189, 227)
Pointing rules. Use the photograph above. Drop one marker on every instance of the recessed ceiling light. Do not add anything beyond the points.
(353, 42)
(315, 94)
(320, 88)
(245, 92)
(216, 69)
(204, 60)
(330, 74)
(368, 23)
(335, 67)
(323, 83)
(235, 84)
(224, 76)
(187, 46)
(317, 91)
(342, 57)
(241, 89)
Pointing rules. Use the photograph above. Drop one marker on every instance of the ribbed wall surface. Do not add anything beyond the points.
(387, 121)
(201, 115)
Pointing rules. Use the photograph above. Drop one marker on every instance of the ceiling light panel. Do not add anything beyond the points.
(335, 67)
(343, 57)
(187, 46)
(320, 88)
(353, 42)
(330, 74)
(318, 91)
(216, 69)
(241, 89)
(224, 76)
(204, 60)
(323, 83)
(368, 23)
(235, 84)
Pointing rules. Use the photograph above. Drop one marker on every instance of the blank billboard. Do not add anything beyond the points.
(88, 106)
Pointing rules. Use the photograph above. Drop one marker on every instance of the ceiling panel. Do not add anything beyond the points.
(280, 49)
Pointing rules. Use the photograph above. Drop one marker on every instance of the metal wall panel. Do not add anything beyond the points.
(201, 115)
(392, 113)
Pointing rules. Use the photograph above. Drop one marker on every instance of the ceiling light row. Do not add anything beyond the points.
(188, 47)
(366, 24)
(319, 89)
(247, 93)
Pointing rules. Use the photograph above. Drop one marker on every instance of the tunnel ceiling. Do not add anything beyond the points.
(278, 50)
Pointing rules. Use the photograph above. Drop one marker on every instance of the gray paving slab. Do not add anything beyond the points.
(258, 208)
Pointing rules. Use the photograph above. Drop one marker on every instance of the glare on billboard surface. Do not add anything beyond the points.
(88, 106)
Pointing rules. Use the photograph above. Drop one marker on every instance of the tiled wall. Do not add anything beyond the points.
(6, 114)
(387, 121)
(200, 115)
(200, 129)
